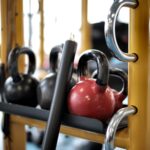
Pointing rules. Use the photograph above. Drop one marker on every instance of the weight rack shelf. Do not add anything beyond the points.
(83, 127)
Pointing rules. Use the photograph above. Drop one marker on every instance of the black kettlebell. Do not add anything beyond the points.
(46, 87)
(2, 80)
(21, 88)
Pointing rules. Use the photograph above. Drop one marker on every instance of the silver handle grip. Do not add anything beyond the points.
(110, 35)
(113, 125)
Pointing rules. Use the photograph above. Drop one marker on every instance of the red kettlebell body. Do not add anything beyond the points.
(119, 95)
(94, 98)
(89, 99)
(118, 100)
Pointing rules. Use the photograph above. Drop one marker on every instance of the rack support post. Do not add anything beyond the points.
(139, 77)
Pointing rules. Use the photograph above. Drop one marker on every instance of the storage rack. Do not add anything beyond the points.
(137, 135)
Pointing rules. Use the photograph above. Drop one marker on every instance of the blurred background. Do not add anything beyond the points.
(61, 18)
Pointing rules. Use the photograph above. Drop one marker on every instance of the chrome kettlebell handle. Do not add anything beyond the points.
(110, 35)
(113, 125)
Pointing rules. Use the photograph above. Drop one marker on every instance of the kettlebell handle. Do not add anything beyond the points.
(120, 74)
(100, 59)
(13, 62)
(53, 57)
(123, 76)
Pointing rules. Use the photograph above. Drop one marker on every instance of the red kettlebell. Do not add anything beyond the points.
(122, 94)
(92, 97)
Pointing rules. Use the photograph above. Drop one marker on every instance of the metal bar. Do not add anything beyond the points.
(19, 35)
(30, 15)
(110, 34)
(54, 121)
(41, 52)
(24, 111)
(85, 28)
(84, 123)
(113, 125)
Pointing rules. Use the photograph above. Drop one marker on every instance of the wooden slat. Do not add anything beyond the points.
(121, 138)
(17, 137)
(3, 30)
(41, 54)
(85, 28)
(19, 36)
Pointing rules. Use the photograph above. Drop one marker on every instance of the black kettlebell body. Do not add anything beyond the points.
(45, 91)
(46, 87)
(21, 88)
(22, 92)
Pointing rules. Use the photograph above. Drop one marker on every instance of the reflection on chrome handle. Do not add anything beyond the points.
(110, 29)
(112, 127)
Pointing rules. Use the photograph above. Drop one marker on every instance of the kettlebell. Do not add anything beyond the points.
(122, 94)
(92, 97)
(46, 87)
(2, 80)
(20, 88)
